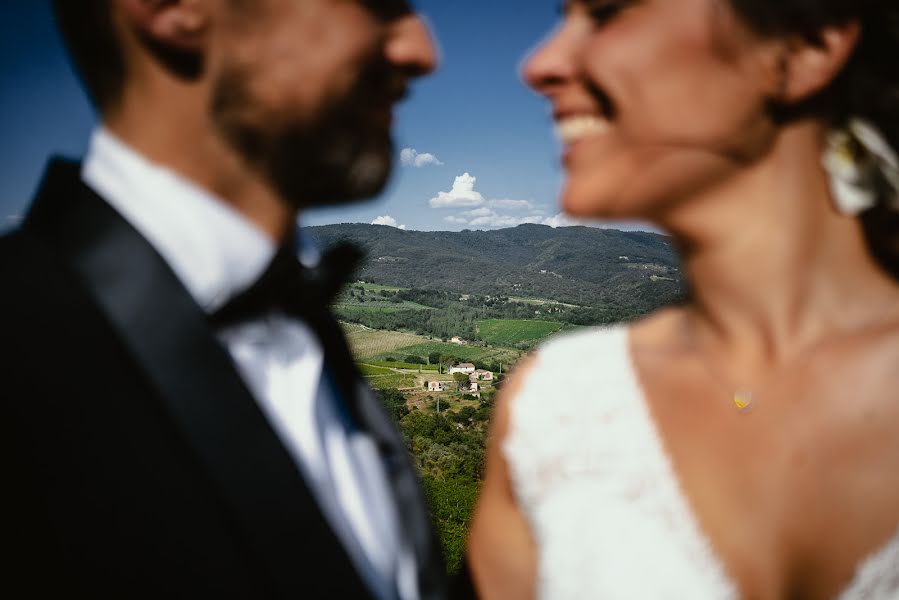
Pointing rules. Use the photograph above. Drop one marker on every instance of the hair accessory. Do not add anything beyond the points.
(862, 165)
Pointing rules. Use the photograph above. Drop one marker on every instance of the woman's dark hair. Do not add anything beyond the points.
(86, 27)
(868, 87)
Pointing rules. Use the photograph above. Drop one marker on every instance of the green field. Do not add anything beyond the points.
(394, 380)
(506, 356)
(540, 302)
(510, 333)
(379, 305)
(365, 308)
(365, 342)
(373, 346)
(374, 287)
(370, 370)
(400, 365)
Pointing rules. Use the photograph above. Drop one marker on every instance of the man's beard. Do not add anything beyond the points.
(338, 156)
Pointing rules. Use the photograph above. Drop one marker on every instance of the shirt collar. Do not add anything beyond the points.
(213, 249)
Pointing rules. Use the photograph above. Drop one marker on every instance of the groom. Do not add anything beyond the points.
(180, 415)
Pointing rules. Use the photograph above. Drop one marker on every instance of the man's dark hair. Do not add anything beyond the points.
(87, 28)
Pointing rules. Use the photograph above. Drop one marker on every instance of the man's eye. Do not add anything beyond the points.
(603, 11)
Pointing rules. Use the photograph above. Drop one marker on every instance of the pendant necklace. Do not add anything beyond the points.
(746, 397)
(743, 397)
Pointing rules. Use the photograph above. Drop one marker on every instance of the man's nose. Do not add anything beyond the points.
(410, 46)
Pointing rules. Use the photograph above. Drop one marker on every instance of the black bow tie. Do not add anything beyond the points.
(289, 286)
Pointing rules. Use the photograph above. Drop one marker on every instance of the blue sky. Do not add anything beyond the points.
(474, 115)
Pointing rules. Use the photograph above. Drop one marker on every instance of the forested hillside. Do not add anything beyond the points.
(586, 266)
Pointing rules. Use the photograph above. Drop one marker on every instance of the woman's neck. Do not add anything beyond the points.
(773, 267)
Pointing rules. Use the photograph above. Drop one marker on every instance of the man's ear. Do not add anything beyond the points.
(179, 25)
(809, 66)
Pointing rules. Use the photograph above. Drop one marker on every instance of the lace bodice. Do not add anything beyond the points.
(599, 492)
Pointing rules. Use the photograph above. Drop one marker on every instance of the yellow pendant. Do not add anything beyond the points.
(743, 400)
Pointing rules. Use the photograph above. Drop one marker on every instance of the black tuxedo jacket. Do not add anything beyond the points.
(135, 462)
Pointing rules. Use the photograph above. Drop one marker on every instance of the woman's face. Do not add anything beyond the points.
(655, 101)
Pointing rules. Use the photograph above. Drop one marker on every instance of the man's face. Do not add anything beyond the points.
(304, 90)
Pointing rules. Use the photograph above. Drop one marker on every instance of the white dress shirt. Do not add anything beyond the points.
(217, 253)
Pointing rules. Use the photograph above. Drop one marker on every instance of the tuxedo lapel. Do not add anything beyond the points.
(169, 337)
(417, 527)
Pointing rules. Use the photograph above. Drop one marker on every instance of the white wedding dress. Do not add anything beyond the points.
(600, 494)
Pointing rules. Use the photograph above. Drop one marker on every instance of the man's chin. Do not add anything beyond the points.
(336, 184)
(369, 176)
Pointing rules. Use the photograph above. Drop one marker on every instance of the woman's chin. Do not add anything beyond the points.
(591, 202)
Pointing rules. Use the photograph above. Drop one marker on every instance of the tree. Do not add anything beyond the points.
(433, 358)
(394, 402)
(464, 415)
(461, 379)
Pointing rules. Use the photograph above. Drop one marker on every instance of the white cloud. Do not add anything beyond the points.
(463, 194)
(478, 212)
(511, 204)
(495, 220)
(486, 218)
(496, 213)
(407, 156)
(410, 157)
(427, 159)
(13, 220)
(388, 221)
(562, 220)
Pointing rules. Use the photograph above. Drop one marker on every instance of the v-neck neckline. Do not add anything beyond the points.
(692, 525)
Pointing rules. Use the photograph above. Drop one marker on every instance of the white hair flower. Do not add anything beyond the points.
(862, 165)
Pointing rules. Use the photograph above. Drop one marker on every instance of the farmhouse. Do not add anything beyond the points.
(439, 386)
(472, 389)
(466, 368)
(482, 375)
(457, 340)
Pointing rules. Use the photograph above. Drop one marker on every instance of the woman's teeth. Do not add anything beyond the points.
(573, 129)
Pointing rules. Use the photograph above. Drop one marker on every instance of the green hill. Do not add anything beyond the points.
(635, 270)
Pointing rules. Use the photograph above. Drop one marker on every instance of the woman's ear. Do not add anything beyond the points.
(178, 25)
(809, 66)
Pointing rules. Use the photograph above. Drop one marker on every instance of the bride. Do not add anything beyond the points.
(746, 443)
